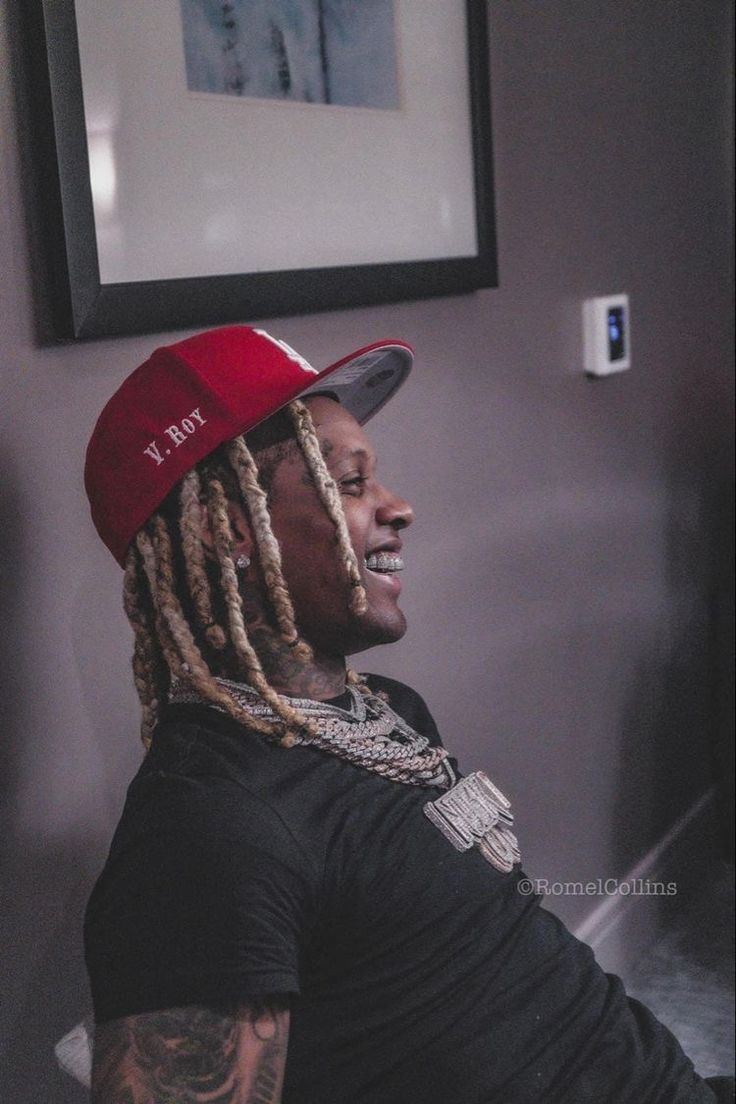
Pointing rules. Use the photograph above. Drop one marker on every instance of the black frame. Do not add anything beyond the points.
(82, 307)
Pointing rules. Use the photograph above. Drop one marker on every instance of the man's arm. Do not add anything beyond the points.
(193, 1055)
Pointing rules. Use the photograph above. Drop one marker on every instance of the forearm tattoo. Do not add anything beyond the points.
(192, 1056)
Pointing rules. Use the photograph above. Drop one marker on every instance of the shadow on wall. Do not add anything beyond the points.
(46, 991)
(10, 510)
(670, 746)
(44, 888)
(103, 644)
(724, 664)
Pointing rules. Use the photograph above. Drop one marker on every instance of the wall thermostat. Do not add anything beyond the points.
(606, 334)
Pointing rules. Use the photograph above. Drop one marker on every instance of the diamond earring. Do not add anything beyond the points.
(242, 562)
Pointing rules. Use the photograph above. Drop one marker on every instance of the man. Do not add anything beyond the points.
(304, 900)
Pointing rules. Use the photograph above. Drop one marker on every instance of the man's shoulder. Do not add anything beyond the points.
(392, 687)
(207, 778)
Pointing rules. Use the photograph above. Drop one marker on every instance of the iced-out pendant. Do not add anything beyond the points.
(474, 811)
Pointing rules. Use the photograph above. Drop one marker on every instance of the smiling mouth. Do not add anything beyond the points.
(384, 563)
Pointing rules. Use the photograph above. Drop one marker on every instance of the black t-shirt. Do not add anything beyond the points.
(417, 974)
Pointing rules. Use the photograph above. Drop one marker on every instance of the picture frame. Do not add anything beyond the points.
(88, 298)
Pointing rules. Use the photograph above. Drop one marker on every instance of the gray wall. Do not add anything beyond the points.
(560, 570)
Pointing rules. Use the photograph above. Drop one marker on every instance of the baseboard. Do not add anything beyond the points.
(624, 925)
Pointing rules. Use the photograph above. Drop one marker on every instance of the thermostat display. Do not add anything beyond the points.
(606, 334)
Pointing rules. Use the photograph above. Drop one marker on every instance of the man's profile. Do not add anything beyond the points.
(306, 900)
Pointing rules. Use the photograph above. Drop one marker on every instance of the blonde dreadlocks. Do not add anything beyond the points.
(187, 613)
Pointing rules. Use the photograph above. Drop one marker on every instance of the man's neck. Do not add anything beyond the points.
(319, 679)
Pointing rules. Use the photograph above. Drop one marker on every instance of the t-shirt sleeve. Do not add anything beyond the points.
(205, 898)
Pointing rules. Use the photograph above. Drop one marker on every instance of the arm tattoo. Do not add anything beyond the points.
(266, 1086)
(192, 1055)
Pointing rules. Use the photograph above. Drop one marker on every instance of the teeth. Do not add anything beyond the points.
(384, 561)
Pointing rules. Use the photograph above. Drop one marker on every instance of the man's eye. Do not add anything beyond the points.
(353, 482)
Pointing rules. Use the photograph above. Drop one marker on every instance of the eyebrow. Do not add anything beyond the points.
(343, 456)
(354, 454)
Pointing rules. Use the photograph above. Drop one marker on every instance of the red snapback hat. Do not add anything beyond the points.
(188, 398)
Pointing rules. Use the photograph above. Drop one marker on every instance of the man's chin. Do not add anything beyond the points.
(371, 631)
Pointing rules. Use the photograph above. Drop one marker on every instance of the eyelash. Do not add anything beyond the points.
(354, 481)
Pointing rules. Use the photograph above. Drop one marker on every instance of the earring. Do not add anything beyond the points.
(242, 562)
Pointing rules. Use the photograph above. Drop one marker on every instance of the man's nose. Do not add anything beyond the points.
(394, 510)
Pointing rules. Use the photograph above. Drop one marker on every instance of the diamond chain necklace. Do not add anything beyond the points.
(369, 734)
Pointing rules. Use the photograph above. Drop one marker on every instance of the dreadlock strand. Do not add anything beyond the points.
(245, 651)
(150, 673)
(330, 498)
(166, 644)
(353, 678)
(188, 656)
(269, 552)
(190, 527)
(180, 649)
(223, 540)
(149, 558)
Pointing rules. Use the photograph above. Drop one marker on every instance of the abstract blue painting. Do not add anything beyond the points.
(312, 51)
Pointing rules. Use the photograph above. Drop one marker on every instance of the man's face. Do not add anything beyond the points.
(317, 581)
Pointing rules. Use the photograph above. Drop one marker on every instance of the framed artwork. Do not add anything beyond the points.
(209, 161)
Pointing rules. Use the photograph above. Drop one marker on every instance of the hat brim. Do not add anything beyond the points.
(364, 381)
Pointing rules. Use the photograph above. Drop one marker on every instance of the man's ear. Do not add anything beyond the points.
(239, 526)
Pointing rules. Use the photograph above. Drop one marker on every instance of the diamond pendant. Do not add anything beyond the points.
(474, 811)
